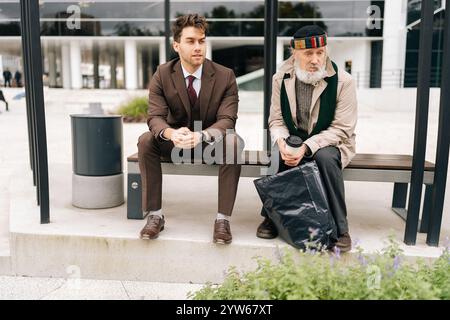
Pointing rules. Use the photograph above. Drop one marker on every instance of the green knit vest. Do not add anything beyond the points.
(326, 112)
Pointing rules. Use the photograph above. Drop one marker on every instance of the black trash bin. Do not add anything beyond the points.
(97, 161)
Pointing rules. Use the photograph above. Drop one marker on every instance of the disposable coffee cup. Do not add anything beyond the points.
(293, 144)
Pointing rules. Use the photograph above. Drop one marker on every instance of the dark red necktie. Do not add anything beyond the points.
(191, 91)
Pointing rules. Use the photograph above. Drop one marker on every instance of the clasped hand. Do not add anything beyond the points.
(184, 138)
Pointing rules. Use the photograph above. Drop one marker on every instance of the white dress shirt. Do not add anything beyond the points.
(197, 84)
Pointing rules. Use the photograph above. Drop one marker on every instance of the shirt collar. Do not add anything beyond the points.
(197, 74)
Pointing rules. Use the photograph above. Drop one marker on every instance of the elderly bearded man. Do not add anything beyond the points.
(314, 100)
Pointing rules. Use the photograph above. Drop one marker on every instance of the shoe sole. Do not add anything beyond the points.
(145, 237)
(344, 249)
(266, 236)
(219, 241)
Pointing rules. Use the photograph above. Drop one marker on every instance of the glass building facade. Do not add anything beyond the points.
(119, 44)
(227, 18)
(412, 48)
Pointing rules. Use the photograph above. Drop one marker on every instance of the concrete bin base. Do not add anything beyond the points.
(97, 192)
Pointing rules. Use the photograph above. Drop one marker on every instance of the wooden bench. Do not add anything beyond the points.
(364, 167)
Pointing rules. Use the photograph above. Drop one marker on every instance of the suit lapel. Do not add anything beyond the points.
(180, 84)
(207, 86)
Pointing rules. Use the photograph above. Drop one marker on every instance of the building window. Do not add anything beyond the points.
(412, 44)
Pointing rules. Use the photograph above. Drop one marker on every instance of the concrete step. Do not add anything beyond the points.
(103, 244)
(162, 260)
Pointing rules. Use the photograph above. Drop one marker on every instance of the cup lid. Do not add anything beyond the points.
(294, 141)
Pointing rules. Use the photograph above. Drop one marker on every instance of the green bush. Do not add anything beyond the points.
(135, 109)
(325, 276)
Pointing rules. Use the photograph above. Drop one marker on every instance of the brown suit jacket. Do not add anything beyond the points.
(169, 104)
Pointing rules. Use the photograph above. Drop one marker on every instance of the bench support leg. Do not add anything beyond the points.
(134, 199)
(399, 199)
(424, 223)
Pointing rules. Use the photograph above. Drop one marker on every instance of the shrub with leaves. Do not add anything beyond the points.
(328, 276)
(134, 110)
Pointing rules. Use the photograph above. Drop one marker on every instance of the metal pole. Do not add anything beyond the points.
(442, 153)
(270, 56)
(438, 58)
(31, 89)
(31, 26)
(167, 28)
(27, 98)
(37, 94)
(420, 134)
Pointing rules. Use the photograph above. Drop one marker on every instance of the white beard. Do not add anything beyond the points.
(310, 77)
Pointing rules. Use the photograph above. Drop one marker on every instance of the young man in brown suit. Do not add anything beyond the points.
(193, 104)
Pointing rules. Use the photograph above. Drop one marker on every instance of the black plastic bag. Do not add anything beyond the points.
(295, 200)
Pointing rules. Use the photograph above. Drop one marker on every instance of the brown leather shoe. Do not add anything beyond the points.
(344, 242)
(222, 232)
(267, 229)
(154, 226)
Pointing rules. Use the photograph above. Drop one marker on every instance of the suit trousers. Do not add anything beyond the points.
(328, 161)
(151, 150)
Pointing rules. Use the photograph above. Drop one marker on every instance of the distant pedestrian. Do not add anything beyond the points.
(7, 75)
(2, 98)
(18, 78)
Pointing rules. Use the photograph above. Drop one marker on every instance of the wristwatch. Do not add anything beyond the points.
(203, 136)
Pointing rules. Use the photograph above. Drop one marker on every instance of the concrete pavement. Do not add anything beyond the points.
(25, 288)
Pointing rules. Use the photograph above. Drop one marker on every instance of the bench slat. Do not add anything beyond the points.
(385, 162)
(360, 161)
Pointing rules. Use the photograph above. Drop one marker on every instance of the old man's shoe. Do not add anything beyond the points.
(267, 230)
(344, 242)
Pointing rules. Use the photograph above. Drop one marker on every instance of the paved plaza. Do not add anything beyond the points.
(380, 129)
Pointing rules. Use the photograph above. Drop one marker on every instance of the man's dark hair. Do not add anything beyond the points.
(188, 20)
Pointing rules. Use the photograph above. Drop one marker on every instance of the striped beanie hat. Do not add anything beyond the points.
(308, 37)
